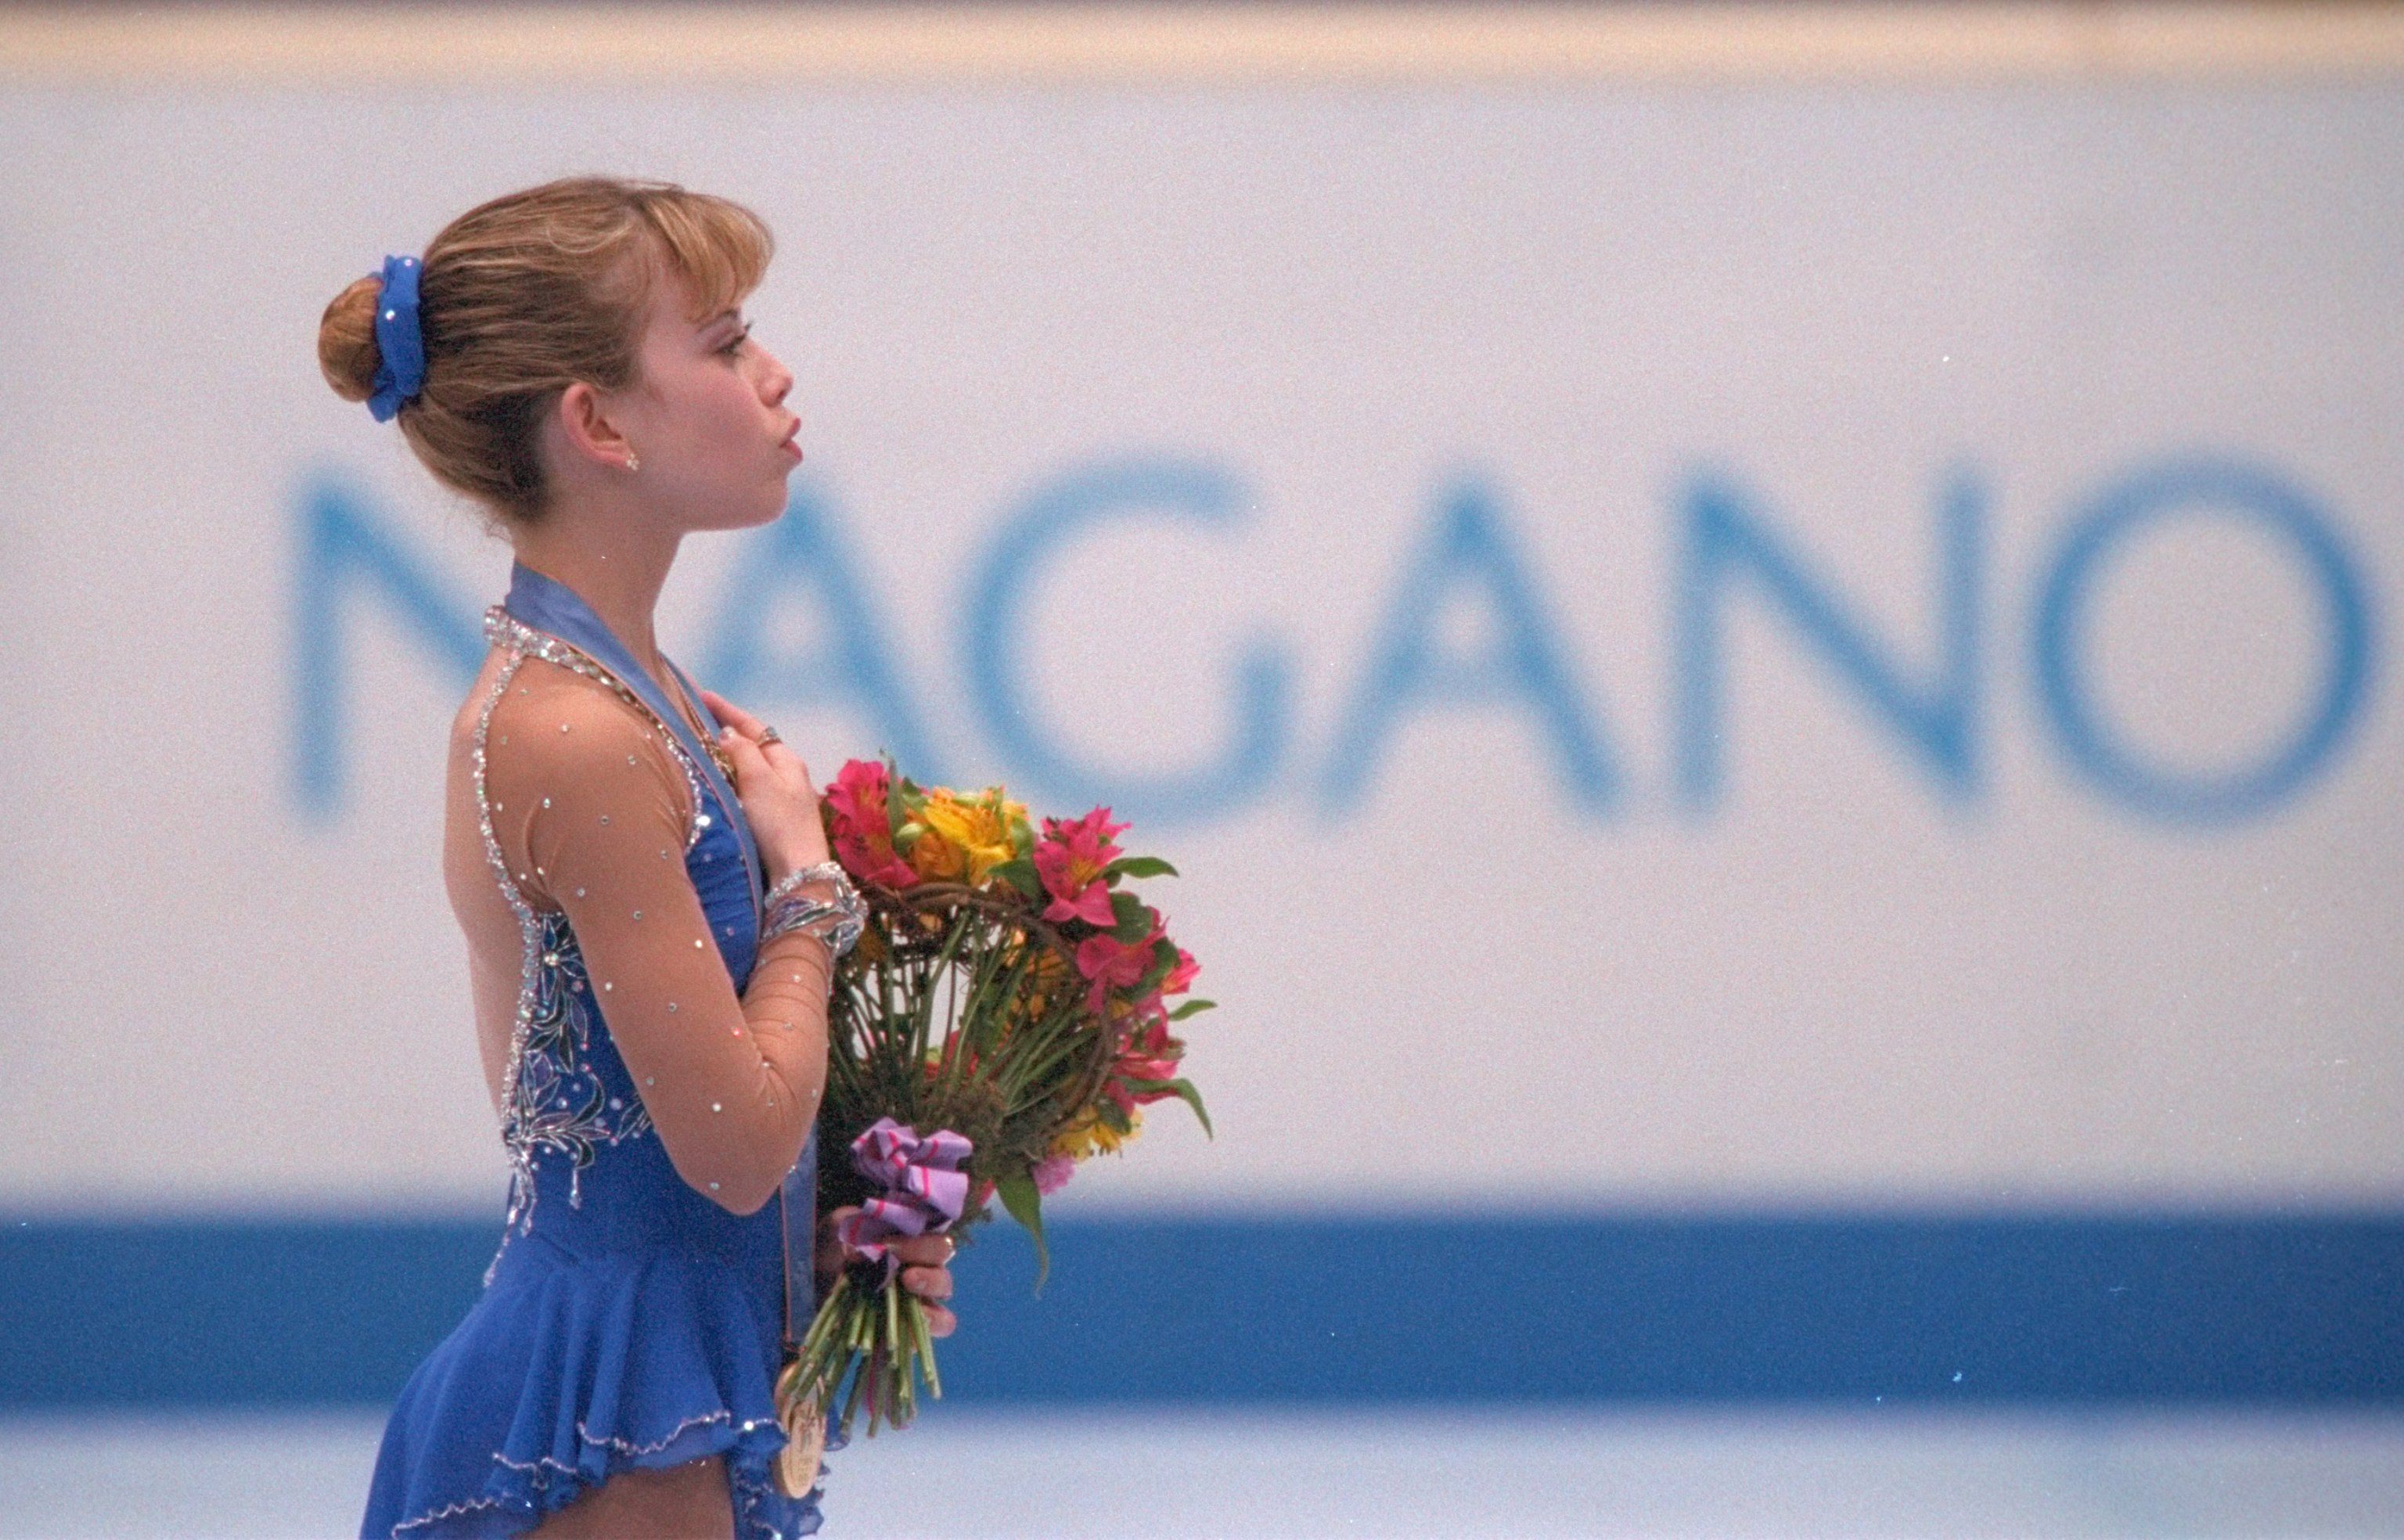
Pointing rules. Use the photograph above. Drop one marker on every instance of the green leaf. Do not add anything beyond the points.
(1192, 1007)
(1019, 872)
(1133, 919)
(1139, 866)
(1164, 957)
(1026, 1205)
(1182, 1089)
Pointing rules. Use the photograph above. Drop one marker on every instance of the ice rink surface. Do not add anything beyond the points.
(1413, 1474)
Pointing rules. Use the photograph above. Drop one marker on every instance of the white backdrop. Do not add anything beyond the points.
(1512, 949)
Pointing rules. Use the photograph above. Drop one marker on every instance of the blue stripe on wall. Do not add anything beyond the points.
(1257, 1310)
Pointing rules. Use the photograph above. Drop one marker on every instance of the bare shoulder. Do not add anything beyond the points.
(472, 708)
(555, 732)
(555, 717)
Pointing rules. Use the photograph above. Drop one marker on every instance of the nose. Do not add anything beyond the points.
(776, 383)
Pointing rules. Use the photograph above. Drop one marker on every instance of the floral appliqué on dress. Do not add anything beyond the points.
(560, 1102)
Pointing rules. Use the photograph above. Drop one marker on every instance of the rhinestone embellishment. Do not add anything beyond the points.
(555, 1104)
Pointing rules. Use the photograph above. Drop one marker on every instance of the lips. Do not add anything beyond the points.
(787, 442)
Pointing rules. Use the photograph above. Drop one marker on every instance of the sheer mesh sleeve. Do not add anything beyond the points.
(591, 811)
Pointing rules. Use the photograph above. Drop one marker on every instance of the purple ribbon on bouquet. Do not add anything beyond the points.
(925, 1188)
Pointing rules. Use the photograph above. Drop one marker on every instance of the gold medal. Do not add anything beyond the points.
(796, 1464)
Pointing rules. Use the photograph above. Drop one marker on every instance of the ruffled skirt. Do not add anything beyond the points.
(570, 1369)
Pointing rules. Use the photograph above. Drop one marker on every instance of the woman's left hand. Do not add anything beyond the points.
(926, 1266)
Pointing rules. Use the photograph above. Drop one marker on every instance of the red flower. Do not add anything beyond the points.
(1181, 975)
(1150, 1054)
(1115, 965)
(1071, 858)
(858, 830)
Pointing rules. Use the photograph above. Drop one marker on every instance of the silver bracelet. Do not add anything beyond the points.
(825, 871)
(787, 908)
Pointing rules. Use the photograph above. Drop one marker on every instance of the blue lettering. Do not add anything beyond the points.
(1938, 720)
(992, 633)
(1467, 546)
(800, 553)
(344, 546)
(2197, 488)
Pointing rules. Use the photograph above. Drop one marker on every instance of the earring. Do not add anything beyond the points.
(632, 463)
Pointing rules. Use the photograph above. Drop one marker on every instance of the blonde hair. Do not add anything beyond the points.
(520, 298)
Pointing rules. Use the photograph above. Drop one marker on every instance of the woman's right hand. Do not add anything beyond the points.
(926, 1271)
(775, 788)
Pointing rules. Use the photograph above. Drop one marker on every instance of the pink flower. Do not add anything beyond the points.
(1150, 1054)
(1115, 965)
(1181, 975)
(1052, 1173)
(858, 830)
(1071, 858)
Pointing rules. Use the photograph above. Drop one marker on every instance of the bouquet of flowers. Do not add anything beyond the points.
(1004, 1016)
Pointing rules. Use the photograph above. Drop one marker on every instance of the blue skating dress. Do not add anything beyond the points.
(627, 1319)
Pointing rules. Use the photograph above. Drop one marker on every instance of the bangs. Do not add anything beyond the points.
(719, 248)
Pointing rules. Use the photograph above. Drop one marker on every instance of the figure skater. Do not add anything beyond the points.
(651, 917)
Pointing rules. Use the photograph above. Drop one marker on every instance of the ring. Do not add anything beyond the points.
(768, 735)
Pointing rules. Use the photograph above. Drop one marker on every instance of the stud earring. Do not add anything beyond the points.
(632, 463)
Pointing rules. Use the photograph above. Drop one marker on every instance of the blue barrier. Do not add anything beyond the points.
(1240, 1310)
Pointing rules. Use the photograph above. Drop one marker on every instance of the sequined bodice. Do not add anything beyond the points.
(588, 1171)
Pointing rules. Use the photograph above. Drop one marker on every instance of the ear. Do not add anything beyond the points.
(585, 422)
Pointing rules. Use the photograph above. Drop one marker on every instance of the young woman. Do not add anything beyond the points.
(650, 914)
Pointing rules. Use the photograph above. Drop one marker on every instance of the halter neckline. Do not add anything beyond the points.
(545, 604)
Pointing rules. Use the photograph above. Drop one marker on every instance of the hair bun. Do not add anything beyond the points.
(518, 299)
(347, 343)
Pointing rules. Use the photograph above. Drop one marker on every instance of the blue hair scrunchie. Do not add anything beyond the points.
(399, 343)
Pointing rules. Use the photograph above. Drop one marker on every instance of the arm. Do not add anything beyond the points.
(591, 810)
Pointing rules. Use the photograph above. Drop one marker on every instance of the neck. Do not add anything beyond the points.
(614, 566)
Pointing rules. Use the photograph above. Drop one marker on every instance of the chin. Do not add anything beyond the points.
(747, 512)
(769, 511)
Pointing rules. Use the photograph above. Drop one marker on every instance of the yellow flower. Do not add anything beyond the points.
(1088, 1135)
(934, 857)
(1046, 972)
(964, 837)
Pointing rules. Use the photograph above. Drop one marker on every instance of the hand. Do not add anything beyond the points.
(775, 788)
(926, 1271)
